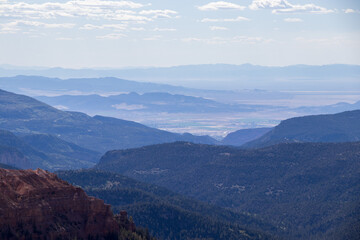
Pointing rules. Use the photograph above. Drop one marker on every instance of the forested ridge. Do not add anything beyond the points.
(166, 214)
(307, 189)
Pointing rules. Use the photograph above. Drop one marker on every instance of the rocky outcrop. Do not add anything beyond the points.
(125, 222)
(36, 204)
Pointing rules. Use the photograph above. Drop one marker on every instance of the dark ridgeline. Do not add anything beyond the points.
(4, 166)
(340, 127)
(166, 214)
(242, 136)
(43, 151)
(307, 189)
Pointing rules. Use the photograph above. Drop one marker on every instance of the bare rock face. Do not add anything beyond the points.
(38, 205)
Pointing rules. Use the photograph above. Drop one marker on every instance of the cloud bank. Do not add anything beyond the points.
(283, 6)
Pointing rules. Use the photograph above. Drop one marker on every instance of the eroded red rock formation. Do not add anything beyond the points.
(38, 205)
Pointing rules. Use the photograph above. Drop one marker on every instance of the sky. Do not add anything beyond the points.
(140, 33)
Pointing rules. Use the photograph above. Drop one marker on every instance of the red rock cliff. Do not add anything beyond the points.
(38, 205)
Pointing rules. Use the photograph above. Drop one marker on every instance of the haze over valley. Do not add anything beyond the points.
(180, 120)
(199, 111)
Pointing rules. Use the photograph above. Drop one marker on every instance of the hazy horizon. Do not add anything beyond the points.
(117, 34)
(42, 67)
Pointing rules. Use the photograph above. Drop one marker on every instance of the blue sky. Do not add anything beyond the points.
(115, 34)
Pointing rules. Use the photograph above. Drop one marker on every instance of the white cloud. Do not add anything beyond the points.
(89, 9)
(216, 28)
(159, 13)
(221, 5)
(164, 30)
(112, 36)
(293, 20)
(10, 27)
(238, 19)
(110, 4)
(15, 26)
(128, 17)
(26, 15)
(283, 6)
(256, 4)
(307, 8)
(349, 10)
(250, 40)
(73, 8)
(46, 25)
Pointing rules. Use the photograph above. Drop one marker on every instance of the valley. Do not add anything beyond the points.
(295, 178)
(182, 109)
(179, 120)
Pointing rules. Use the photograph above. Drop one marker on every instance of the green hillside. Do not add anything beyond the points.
(306, 189)
(166, 214)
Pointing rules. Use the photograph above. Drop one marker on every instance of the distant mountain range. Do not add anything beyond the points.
(309, 189)
(83, 85)
(24, 115)
(147, 102)
(175, 103)
(36, 85)
(221, 76)
(326, 109)
(199, 109)
(341, 127)
(45, 86)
